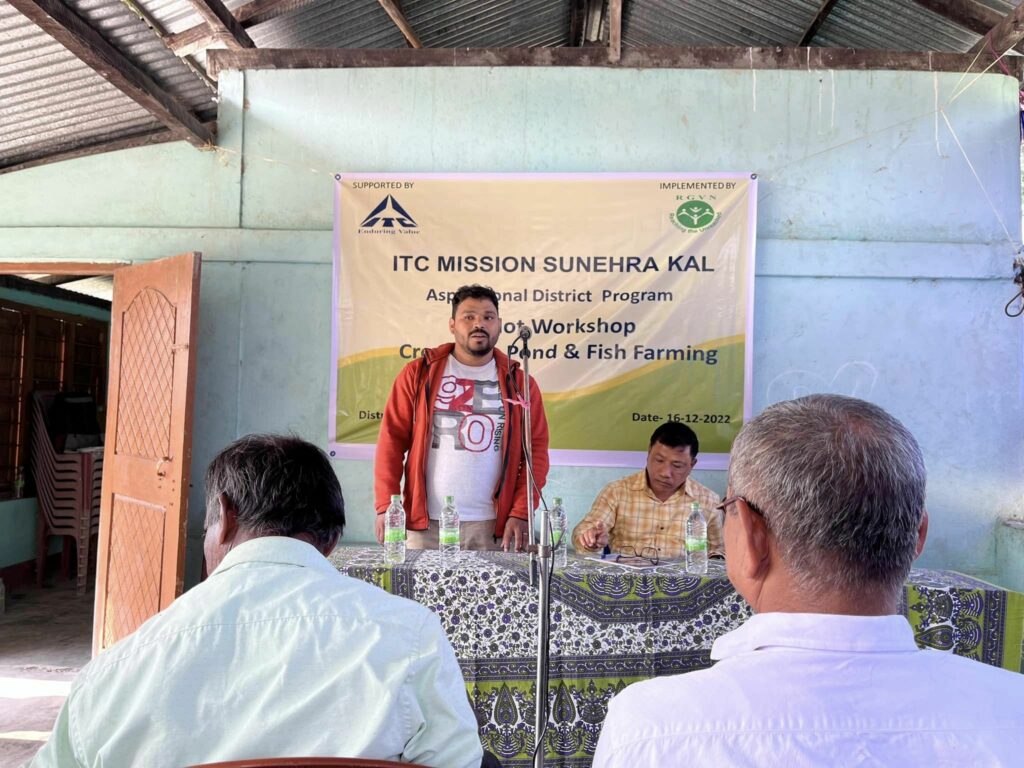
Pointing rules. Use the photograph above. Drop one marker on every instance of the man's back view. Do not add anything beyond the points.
(824, 517)
(276, 654)
(817, 690)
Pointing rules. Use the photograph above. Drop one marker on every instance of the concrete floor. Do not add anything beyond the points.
(45, 639)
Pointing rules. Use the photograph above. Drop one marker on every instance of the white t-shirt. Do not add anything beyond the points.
(464, 460)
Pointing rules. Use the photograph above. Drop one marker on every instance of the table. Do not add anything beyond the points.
(611, 627)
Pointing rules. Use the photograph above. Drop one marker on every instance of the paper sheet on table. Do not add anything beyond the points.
(623, 561)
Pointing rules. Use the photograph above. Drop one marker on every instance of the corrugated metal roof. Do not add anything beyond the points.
(133, 37)
(365, 24)
(893, 25)
(489, 23)
(177, 15)
(50, 101)
(725, 22)
(1000, 6)
(99, 287)
(331, 24)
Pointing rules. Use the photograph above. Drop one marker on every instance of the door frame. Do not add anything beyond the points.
(83, 268)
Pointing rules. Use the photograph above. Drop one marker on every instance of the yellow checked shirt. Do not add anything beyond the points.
(636, 518)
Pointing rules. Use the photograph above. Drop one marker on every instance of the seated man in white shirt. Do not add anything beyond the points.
(276, 654)
(824, 517)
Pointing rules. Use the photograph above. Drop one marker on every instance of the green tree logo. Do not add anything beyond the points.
(695, 215)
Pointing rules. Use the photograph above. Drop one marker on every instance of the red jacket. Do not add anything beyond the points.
(406, 428)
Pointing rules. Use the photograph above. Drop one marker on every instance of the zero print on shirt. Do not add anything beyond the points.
(463, 413)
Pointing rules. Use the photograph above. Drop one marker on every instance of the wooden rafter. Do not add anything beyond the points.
(819, 18)
(58, 21)
(600, 56)
(577, 22)
(196, 38)
(220, 20)
(61, 267)
(1004, 35)
(615, 29)
(191, 40)
(394, 10)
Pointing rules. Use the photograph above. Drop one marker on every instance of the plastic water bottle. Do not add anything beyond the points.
(696, 542)
(394, 532)
(559, 525)
(448, 538)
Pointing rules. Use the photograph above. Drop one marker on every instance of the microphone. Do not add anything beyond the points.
(524, 331)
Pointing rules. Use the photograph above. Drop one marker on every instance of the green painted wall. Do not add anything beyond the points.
(57, 305)
(882, 260)
(18, 532)
(1010, 554)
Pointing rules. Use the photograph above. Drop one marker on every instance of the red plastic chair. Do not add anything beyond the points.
(68, 486)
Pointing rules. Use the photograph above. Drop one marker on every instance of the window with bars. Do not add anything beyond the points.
(43, 349)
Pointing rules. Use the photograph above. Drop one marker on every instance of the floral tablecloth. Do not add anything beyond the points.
(611, 627)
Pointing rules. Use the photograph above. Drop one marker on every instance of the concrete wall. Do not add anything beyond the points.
(17, 531)
(1010, 553)
(882, 259)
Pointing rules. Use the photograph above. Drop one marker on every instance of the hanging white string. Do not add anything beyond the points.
(977, 178)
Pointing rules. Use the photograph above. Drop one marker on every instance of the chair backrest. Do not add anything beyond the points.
(309, 762)
(72, 422)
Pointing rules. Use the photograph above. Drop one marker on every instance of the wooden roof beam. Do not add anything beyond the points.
(577, 22)
(1004, 35)
(819, 18)
(614, 30)
(219, 19)
(64, 26)
(394, 10)
(774, 58)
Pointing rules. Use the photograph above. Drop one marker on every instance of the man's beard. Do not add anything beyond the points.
(480, 351)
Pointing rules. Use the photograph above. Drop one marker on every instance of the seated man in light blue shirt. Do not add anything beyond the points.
(824, 517)
(276, 654)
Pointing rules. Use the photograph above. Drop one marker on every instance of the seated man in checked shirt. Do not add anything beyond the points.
(647, 510)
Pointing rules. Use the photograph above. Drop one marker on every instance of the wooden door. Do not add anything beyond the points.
(144, 508)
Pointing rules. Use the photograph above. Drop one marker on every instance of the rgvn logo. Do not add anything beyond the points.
(695, 216)
(387, 215)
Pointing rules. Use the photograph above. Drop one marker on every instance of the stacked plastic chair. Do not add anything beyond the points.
(68, 486)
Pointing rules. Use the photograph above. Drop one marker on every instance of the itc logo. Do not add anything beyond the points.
(387, 215)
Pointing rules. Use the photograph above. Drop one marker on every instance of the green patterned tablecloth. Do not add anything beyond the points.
(611, 627)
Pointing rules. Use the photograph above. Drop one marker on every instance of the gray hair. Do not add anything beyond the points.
(280, 485)
(841, 485)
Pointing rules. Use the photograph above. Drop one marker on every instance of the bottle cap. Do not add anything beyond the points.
(396, 497)
(449, 499)
(694, 505)
(558, 501)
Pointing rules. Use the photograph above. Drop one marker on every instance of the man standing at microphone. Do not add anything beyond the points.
(452, 426)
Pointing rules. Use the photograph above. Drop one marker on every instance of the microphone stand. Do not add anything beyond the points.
(541, 558)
